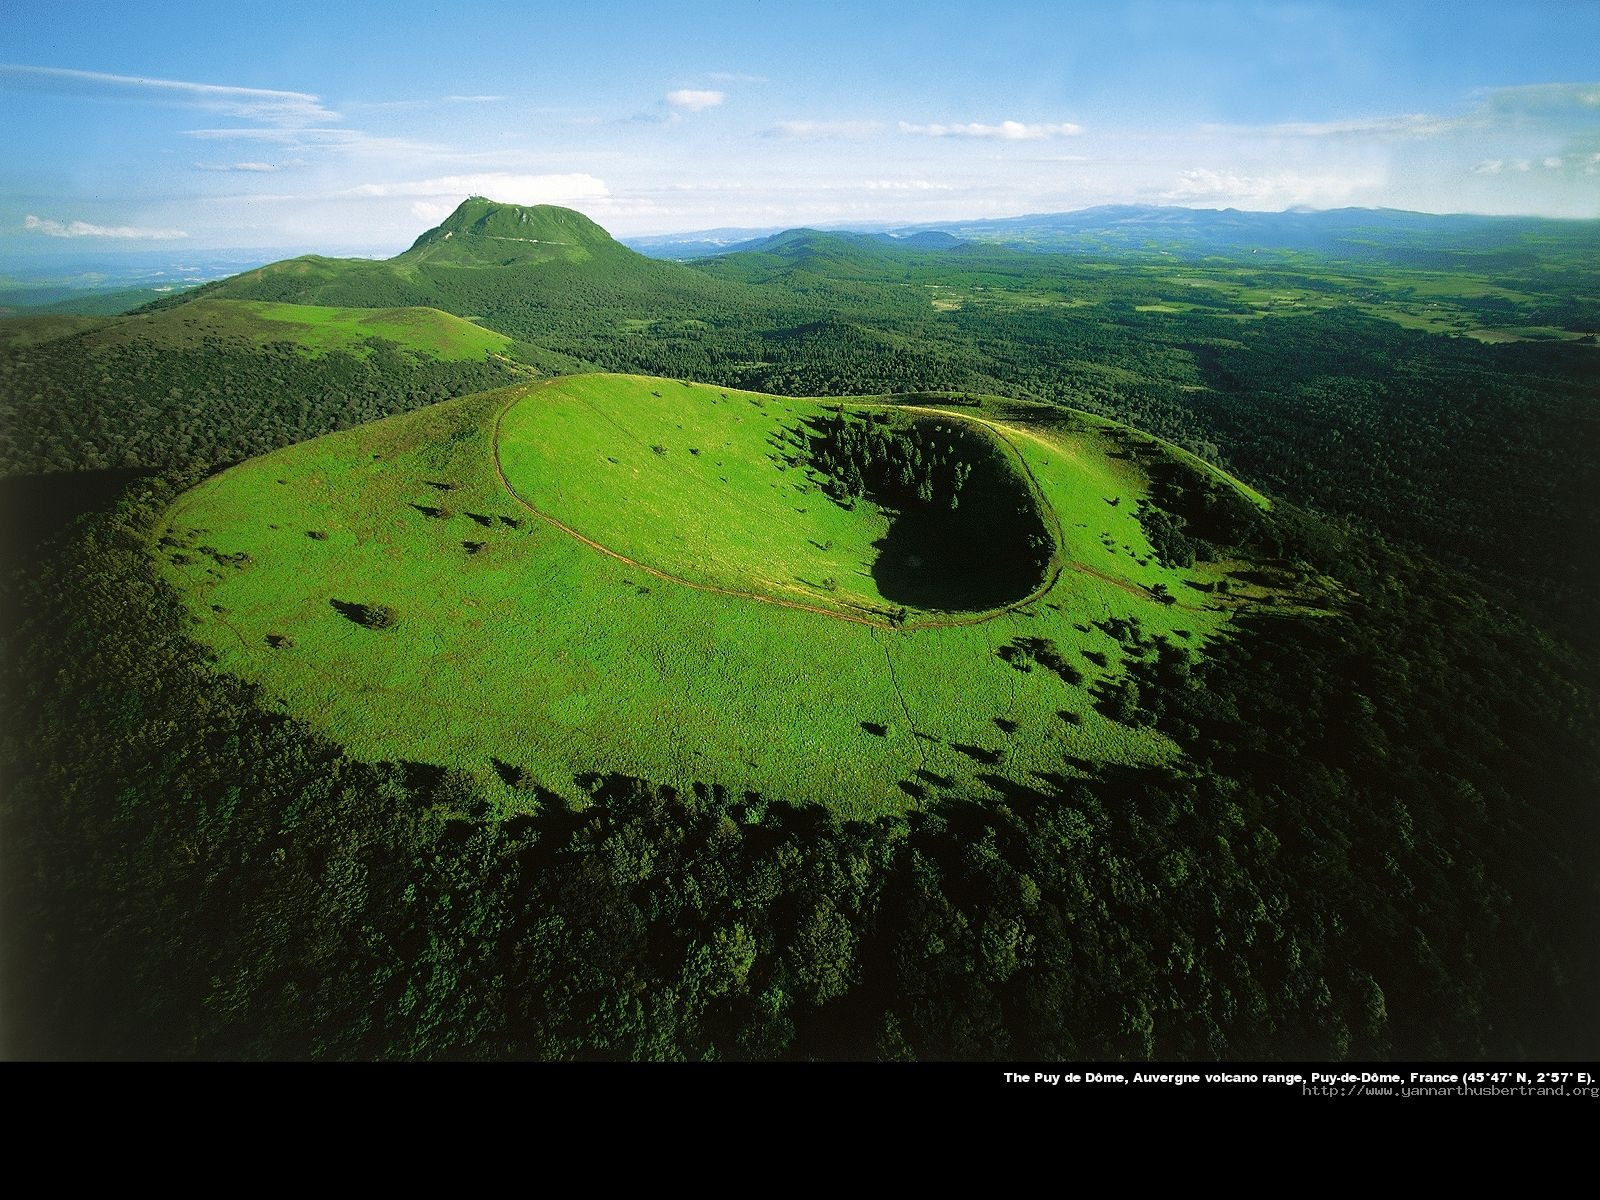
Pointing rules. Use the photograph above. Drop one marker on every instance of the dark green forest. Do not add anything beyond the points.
(1378, 842)
(65, 407)
(1373, 848)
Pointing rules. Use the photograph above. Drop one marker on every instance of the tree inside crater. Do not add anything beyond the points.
(965, 532)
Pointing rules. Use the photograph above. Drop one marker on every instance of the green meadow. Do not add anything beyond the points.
(609, 573)
(315, 330)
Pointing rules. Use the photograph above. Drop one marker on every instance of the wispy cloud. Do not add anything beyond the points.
(1497, 166)
(695, 99)
(497, 185)
(239, 166)
(473, 99)
(659, 115)
(1280, 190)
(1543, 98)
(1008, 131)
(1406, 125)
(77, 229)
(297, 137)
(251, 104)
(817, 130)
(1548, 104)
(339, 143)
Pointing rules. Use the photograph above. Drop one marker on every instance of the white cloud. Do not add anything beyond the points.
(503, 186)
(1490, 166)
(239, 166)
(251, 104)
(813, 130)
(1553, 163)
(1283, 190)
(695, 100)
(1009, 131)
(428, 210)
(75, 229)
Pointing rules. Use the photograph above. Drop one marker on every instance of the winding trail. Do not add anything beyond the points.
(899, 693)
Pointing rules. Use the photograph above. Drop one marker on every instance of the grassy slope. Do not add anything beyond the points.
(538, 651)
(315, 330)
(699, 483)
(517, 270)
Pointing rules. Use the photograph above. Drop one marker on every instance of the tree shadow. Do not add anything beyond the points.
(368, 616)
(35, 508)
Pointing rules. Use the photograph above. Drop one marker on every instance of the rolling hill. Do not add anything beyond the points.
(423, 334)
(642, 576)
(519, 270)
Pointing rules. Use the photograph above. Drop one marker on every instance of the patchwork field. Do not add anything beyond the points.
(619, 574)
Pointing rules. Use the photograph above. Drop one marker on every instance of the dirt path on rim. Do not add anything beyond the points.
(875, 623)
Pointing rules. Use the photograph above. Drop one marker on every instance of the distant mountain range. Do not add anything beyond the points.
(1353, 233)
(554, 241)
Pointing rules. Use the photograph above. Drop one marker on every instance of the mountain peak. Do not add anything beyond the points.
(484, 231)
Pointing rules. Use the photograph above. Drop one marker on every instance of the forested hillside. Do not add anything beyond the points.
(213, 383)
(1375, 845)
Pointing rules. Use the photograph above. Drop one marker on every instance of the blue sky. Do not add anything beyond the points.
(291, 125)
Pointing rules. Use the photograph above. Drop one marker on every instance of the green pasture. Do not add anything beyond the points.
(515, 650)
(316, 330)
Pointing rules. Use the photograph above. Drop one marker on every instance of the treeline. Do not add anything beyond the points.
(1376, 844)
(1190, 515)
(895, 461)
(65, 406)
